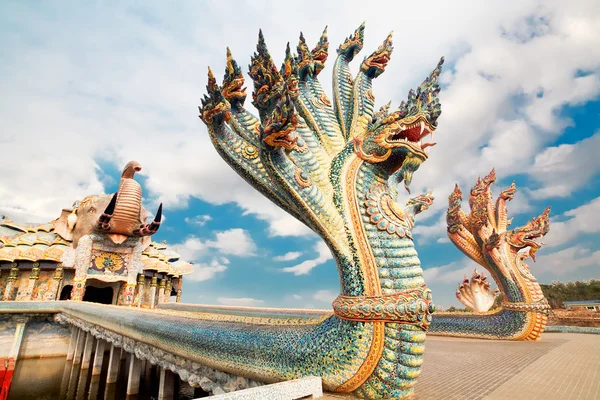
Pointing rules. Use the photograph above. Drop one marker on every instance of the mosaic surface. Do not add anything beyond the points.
(483, 235)
(328, 162)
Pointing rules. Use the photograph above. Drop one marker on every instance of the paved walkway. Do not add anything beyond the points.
(562, 366)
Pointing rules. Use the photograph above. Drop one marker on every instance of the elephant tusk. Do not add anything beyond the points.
(152, 228)
(104, 219)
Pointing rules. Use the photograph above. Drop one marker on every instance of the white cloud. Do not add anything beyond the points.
(198, 219)
(453, 272)
(565, 262)
(296, 297)
(292, 255)
(326, 296)
(306, 266)
(567, 167)
(240, 301)
(204, 272)
(236, 242)
(104, 101)
(191, 249)
(583, 219)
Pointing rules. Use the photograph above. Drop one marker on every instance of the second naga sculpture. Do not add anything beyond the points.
(329, 163)
(484, 236)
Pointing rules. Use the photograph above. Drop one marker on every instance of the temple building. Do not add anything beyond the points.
(100, 250)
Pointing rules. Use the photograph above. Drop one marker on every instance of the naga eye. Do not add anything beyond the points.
(92, 210)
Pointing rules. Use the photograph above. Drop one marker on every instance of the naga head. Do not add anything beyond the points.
(320, 53)
(526, 236)
(375, 64)
(420, 203)
(396, 140)
(233, 83)
(353, 44)
(268, 82)
(476, 293)
(289, 73)
(215, 108)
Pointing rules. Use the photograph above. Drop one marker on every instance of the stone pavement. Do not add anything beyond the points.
(561, 366)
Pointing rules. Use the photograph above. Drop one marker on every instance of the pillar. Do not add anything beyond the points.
(87, 352)
(79, 347)
(168, 290)
(33, 278)
(133, 379)
(128, 294)
(72, 343)
(10, 285)
(178, 298)
(98, 357)
(161, 290)
(166, 386)
(78, 289)
(113, 364)
(58, 277)
(13, 355)
(139, 297)
(153, 290)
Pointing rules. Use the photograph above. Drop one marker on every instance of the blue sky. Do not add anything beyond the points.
(86, 87)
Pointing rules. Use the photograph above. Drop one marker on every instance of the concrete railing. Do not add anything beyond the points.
(289, 390)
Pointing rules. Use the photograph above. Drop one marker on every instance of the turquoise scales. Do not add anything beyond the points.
(329, 164)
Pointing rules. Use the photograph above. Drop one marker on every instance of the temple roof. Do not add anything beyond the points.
(40, 243)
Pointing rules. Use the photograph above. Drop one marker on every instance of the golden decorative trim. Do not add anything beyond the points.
(410, 307)
(370, 363)
(369, 269)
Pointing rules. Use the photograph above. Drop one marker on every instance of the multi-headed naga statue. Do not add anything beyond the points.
(330, 164)
(483, 235)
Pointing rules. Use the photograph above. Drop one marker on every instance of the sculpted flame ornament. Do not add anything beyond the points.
(328, 163)
(484, 237)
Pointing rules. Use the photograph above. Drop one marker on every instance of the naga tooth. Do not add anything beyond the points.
(422, 127)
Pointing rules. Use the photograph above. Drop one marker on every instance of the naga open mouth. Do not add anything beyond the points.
(234, 89)
(320, 56)
(412, 135)
(380, 61)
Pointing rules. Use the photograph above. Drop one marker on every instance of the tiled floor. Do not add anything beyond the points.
(562, 366)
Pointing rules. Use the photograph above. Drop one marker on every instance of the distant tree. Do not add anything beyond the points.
(559, 292)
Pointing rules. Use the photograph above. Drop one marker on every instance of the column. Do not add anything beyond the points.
(178, 298)
(87, 352)
(58, 277)
(72, 343)
(166, 385)
(139, 297)
(33, 278)
(133, 380)
(12, 277)
(129, 294)
(13, 355)
(98, 357)
(113, 364)
(78, 289)
(153, 291)
(79, 347)
(168, 290)
(161, 290)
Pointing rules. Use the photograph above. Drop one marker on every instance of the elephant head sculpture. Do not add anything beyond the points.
(119, 216)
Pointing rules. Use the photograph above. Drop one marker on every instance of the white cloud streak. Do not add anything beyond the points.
(324, 255)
